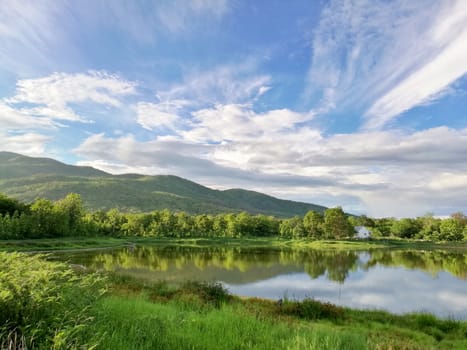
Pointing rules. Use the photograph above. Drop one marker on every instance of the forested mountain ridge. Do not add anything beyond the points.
(27, 178)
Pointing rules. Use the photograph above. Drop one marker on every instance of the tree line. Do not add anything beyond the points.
(68, 217)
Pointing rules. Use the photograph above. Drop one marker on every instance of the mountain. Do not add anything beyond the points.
(27, 178)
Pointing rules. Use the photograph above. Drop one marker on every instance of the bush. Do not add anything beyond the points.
(311, 309)
(43, 303)
(212, 293)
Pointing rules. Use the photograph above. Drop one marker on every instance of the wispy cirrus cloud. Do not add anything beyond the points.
(35, 36)
(182, 106)
(146, 21)
(39, 36)
(176, 14)
(386, 57)
(236, 82)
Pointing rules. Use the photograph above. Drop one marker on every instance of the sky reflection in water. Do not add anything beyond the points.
(398, 290)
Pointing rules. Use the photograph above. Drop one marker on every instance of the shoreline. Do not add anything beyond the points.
(44, 245)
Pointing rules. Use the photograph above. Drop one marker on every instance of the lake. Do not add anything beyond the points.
(398, 281)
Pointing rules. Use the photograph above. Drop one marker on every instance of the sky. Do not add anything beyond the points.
(360, 104)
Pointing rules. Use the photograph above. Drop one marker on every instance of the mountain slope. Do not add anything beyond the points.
(27, 178)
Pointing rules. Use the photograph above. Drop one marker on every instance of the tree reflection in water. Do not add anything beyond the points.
(241, 265)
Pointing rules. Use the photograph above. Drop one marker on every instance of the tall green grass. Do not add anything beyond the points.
(43, 304)
(135, 323)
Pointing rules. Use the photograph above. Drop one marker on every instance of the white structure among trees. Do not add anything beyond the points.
(362, 232)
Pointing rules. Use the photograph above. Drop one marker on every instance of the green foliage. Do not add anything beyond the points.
(383, 226)
(71, 211)
(451, 230)
(10, 205)
(429, 227)
(311, 309)
(212, 293)
(313, 224)
(336, 224)
(405, 228)
(67, 217)
(45, 303)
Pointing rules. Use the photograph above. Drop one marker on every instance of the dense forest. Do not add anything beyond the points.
(68, 217)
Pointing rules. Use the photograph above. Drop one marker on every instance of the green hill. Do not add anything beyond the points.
(27, 178)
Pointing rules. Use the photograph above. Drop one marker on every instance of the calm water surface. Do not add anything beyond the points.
(397, 281)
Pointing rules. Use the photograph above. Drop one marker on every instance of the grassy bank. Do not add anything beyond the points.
(54, 244)
(204, 316)
(135, 323)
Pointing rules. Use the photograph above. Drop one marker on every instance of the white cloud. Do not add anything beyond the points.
(52, 96)
(235, 124)
(159, 115)
(28, 143)
(224, 84)
(17, 119)
(424, 84)
(383, 173)
(387, 57)
(448, 180)
(48, 103)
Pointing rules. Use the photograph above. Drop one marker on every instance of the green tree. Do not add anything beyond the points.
(135, 225)
(313, 224)
(233, 226)
(114, 220)
(220, 225)
(383, 226)
(185, 224)
(405, 228)
(264, 226)
(244, 224)
(459, 216)
(5, 227)
(429, 227)
(44, 219)
(292, 228)
(203, 225)
(70, 211)
(336, 224)
(10, 205)
(451, 230)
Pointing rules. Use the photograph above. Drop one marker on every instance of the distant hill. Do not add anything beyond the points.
(27, 178)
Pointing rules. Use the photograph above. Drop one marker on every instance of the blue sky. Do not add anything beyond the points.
(361, 104)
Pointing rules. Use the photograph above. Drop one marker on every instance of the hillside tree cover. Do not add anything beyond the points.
(67, 217)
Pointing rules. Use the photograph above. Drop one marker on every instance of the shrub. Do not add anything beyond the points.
(44, 303)
(212, 293)
(311, 309)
